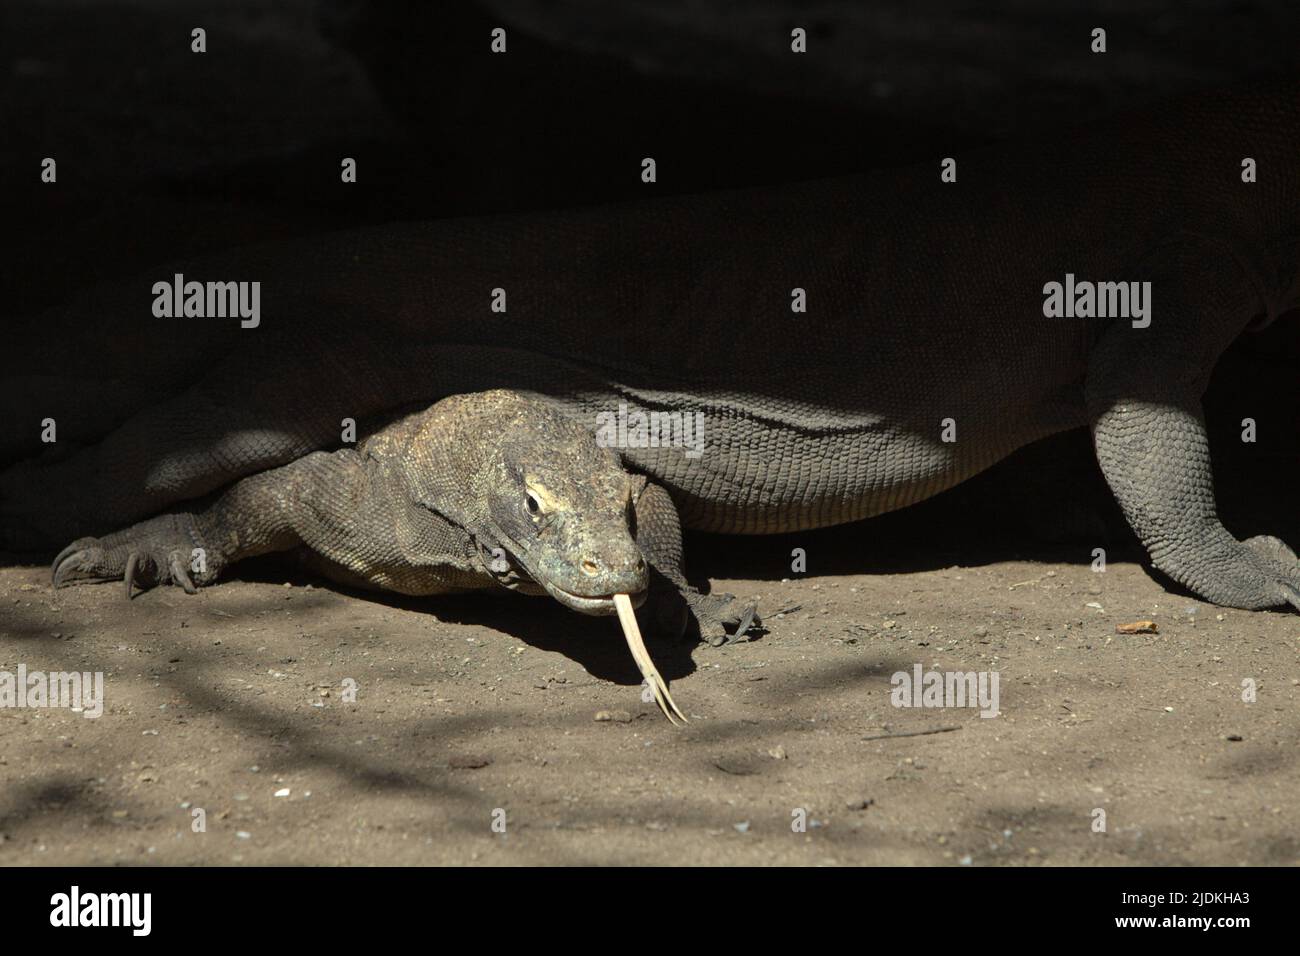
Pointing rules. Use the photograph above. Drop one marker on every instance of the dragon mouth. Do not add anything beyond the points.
(601, 605)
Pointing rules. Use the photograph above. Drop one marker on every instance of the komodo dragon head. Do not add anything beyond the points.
(562, 510)
(550, 511)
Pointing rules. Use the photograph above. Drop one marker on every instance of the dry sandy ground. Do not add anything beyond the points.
(222, 700)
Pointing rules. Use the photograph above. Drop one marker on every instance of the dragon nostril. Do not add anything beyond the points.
(590, 567)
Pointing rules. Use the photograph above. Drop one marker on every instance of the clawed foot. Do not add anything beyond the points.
(163, 550)
(720, 618)
(1281, 569)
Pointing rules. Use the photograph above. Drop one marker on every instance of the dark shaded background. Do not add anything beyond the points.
(165, 154)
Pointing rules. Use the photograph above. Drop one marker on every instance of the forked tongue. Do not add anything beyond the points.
(632, 633)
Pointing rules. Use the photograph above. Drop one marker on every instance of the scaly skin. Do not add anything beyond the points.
(427, 507)
(925, 303)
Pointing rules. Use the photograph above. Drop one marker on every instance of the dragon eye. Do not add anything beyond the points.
(532, 505)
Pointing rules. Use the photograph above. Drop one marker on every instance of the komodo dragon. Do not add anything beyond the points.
(426, 506)
(925, 313)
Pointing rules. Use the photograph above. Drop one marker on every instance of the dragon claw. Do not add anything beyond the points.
(132, 563)
(153, 552)
(181, 575)
(721, 618)
(68, 561)
(1278, 562)
(63, 555)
